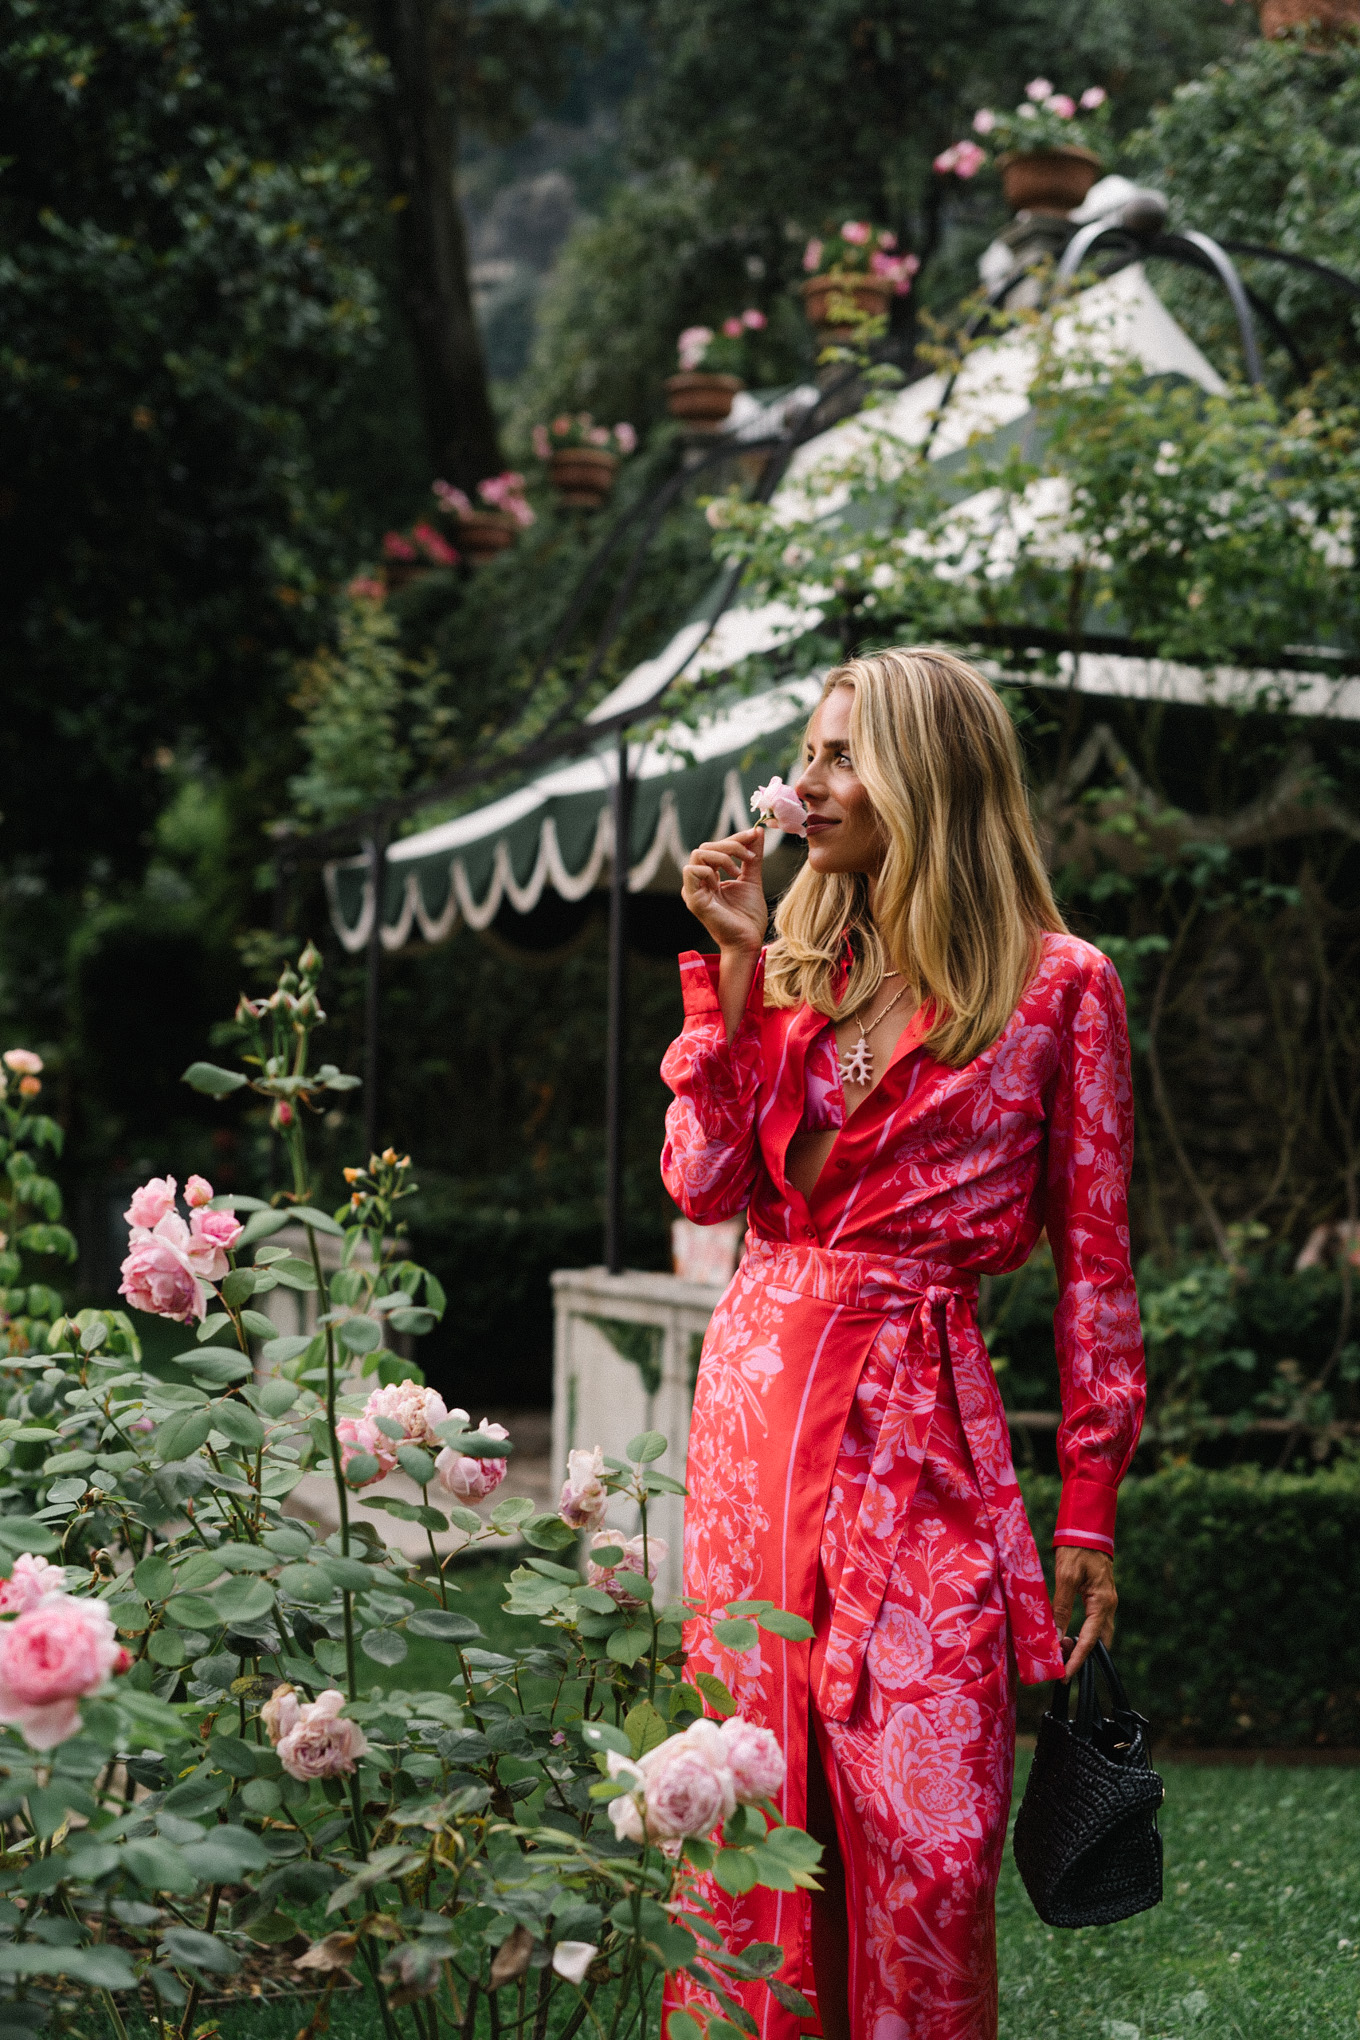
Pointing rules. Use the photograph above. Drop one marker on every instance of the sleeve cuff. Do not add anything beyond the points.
(699, 986)
(1086, 1515)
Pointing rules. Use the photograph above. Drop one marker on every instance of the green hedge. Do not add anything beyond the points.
(1239, 1603)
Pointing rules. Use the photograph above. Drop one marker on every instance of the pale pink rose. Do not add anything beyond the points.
(416, 1408)
(625, 437)
(31, 1578)
(1039, 88)
(469, 1479)
(280, 1713)
(693, 345)
(1092, 97)
(198, 1190)
(779, 806)
(812, 256)
(50, 1656)
(157, 1278)
(856, 232)
(584, 1502)
(626, 1811)
(23, 1061)
(984, 120)
(754, 320)
(218, 1231)
(321, 1743)
(754, 1759)
(142, 1424)
(968, 159)
(357, 1436)
(151, 1202)
(453, 500)
(733, 328)
(887, 240)
(1060, 104)
(542, 443)
(614, 1578)
(686, 1793)
(598, 435)
(946, 160)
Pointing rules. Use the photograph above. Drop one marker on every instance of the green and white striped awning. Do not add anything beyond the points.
(692, 781)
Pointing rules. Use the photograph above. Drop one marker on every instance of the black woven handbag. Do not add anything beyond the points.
(1086, 1840)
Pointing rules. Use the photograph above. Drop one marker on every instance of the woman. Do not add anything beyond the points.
(921, 1072)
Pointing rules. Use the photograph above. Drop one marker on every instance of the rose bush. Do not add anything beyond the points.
(197, 1755)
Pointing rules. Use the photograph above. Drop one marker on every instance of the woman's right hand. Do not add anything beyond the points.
(723, 888)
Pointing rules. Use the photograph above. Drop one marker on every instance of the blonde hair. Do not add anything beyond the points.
(962, 897)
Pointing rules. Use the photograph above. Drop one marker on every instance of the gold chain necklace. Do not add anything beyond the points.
(858, 1066)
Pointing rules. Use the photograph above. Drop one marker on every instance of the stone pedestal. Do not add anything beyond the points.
(625, 1356)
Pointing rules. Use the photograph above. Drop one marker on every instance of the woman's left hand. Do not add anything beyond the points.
(1090, 1576)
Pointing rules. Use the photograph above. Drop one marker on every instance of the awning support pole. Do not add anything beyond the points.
(377, 855)
(615, 1045)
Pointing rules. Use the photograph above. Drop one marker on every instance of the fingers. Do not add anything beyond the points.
(1086, 1643)
(733, 857)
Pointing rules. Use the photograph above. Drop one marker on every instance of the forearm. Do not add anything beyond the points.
(736, 975)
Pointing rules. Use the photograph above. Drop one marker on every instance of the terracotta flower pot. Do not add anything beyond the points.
(583, 475)
(1048, 180)
(870, 295)
(701, 397)
(487, 532)
(1278, 17)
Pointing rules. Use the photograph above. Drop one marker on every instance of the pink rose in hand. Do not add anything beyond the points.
(754, 1759)
(151, 1202)
(30, 1580)
(321, 1743)
(779, 807)
(197, 1191)
(614, 1578)
(50, 1657)
(585, 1501)
(467, 1478)
(157, 1276)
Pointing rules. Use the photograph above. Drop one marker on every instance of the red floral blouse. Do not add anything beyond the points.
(959, 1166)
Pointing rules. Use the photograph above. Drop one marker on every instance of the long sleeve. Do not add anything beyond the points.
(709, 1162)
(1096, 1325)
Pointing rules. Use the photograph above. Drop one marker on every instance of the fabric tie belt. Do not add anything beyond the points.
(919, 1313)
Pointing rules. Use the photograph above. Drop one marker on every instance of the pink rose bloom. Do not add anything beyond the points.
(151, 1203)
(358, 1436)
(1039, 88)
(856, 232)
(887, 240)
(812, 256)
(364, 588)
(280, 1713)
(626, 1811)
(778, 806)
(142, 1424)
(969, 158)
(687, 1792)
(451, 499)
(733, 328)
(1093, 96)
(946, 160)
(1060, 104)
(434, 545)
(23, 1062)
(31, 1578)
(321, 1743)
(625, 437)
(693, 345)
(395, 547)
(198, 1190)
(416, 1408)
(212, 1235)
(562, 424)
(584, 1502)
(754, 1759)
(614, 1578)
(542, 443)
(755, 321)
(984, 120)
(49, 1657)
(469, 1479)
(157, 1277)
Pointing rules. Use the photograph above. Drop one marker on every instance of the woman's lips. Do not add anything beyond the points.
(816, 823)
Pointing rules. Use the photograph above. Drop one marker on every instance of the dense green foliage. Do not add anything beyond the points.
(1229, 1587)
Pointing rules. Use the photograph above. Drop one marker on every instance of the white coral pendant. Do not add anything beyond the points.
(858, 1066)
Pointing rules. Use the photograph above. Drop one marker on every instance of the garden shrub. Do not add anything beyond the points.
(1234, 1592)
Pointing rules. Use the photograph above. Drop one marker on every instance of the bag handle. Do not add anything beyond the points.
(1098, 1665)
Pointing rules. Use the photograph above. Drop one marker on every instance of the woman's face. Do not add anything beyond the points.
(843, 833)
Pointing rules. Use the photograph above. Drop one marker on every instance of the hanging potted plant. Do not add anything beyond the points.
(1047, 153)
(409, 554)
(853, 274)
(582, 457)
(484, 533)
(713, 367)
